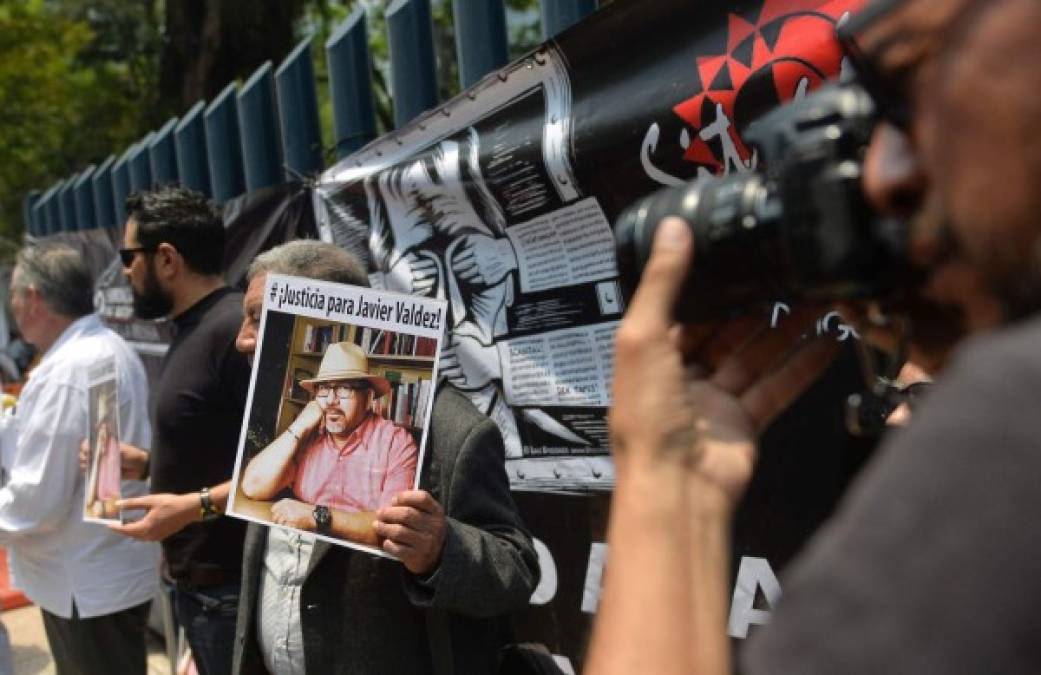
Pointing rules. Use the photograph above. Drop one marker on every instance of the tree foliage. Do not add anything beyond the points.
(65, 103)
(81, 79)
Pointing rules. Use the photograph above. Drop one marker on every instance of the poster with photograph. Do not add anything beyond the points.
(339, 407)
(101, 488)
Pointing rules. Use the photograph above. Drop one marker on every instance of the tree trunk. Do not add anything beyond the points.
(212, 42)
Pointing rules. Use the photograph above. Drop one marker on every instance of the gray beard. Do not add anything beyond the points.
(336, 427)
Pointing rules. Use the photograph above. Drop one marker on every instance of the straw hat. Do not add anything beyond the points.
(346, 361)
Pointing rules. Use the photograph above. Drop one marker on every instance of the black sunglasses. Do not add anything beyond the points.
(890, 99)
(126, 255)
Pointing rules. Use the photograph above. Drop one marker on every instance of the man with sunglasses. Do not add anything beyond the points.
(173, 246)
(931, 564)
(341, 461)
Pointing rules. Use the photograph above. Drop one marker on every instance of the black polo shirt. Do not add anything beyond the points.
(199, 404)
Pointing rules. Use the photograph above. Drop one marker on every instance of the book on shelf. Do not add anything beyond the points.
(317, 338)
(388, 343)
(405, 403)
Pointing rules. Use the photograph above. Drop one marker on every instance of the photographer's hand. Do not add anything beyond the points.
(689, 402)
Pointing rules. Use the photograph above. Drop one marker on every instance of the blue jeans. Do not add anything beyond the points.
(208, 618)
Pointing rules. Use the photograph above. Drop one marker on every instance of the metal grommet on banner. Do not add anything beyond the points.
(520, 474)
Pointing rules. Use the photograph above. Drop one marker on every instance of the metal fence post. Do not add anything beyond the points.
(101, 187)
(480, 38)
(412, 67)
(29, 202)
(298, 113)
(258, 128)
(558, 15)
(84, 200)
(67, 205)
(350, 84)
(190, 143)
(54, 208)
(224, 146)
(141, 165)
(40, 216)
(121, 186)
(162, 157)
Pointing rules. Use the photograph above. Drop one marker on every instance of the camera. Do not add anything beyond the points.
(801, 229)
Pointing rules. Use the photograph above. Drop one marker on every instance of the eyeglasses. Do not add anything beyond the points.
(126, 255)
(890, 99)
(343, 391)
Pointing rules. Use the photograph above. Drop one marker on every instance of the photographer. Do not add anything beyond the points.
(930, 566)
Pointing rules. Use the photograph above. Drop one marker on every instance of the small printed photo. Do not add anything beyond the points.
(102, 480)
(337, 417)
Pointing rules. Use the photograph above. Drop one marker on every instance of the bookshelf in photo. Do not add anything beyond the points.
(405, 360)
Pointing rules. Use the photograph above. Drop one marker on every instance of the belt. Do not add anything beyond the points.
(205, 576)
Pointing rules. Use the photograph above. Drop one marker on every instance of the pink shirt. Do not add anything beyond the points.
(378, 461)
(109, 470)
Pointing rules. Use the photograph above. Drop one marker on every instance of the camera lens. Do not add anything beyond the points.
(735, 223)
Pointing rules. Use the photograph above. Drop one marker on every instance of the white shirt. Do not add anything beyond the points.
(279, 622)
(55, 556)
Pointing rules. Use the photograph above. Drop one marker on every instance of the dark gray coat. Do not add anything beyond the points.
(365, 614)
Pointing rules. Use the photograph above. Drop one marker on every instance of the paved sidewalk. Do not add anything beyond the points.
(29, 644)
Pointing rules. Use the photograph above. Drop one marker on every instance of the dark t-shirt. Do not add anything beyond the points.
(932, 564)
(199, 403)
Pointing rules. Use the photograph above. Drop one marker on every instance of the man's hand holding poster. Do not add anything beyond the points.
(339, 408)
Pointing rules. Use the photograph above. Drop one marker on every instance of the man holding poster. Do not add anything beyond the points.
(337, 457)
(308, 605)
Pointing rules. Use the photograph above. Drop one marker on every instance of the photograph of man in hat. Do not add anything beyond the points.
(340, 461)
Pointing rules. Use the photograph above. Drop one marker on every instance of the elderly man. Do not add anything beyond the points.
(931, 565)
(92, 585)
(337, 457)
(311, 607)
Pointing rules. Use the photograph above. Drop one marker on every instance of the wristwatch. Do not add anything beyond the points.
(323, 519)
(207, 509)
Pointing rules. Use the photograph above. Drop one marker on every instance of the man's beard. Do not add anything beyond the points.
(152, 302)
(338, 426)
